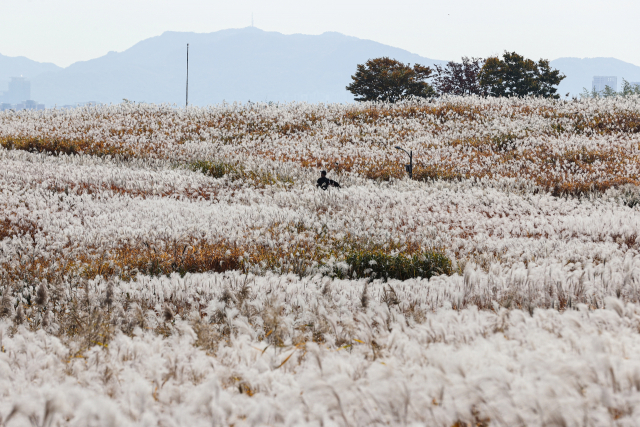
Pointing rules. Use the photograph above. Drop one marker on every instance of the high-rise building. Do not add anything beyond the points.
(18, 96)
(19, 91)
(601, 82)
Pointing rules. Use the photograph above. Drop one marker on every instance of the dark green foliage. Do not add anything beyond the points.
(215, 169)
(236, 171)
(514, 75)
(379, 265)
(385, 79)
(504, 142)
(630, 195)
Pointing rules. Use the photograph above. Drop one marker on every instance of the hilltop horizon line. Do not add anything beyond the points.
(273, 32)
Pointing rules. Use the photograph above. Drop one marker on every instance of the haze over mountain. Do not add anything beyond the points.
(242, 65)
(232, 65)
(21, 66)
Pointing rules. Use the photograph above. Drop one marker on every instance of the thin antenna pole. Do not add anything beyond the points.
(187, 103)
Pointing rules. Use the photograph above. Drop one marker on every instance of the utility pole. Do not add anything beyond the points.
(187, 103)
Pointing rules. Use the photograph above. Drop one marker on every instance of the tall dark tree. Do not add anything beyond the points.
(514, 75)
(459, 78)
(385, 79)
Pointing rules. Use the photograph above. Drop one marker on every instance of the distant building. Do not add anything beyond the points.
(19, 90)
(18, 97)
(601, 82)
(24, 105)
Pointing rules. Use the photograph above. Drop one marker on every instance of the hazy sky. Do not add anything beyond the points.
(65, 31)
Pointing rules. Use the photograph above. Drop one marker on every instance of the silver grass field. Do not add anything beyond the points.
(179, 267)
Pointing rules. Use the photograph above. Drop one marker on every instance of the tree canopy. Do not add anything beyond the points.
(385, 79)
(514, 75)
(459, 78)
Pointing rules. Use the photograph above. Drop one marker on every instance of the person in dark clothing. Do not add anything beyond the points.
(324, 182)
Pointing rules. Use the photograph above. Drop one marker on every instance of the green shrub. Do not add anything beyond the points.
(216, 169)
(379, 265)
(235, 171)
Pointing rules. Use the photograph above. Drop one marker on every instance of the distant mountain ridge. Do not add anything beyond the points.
(21, 66)
(230, 65)
(241, 65)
